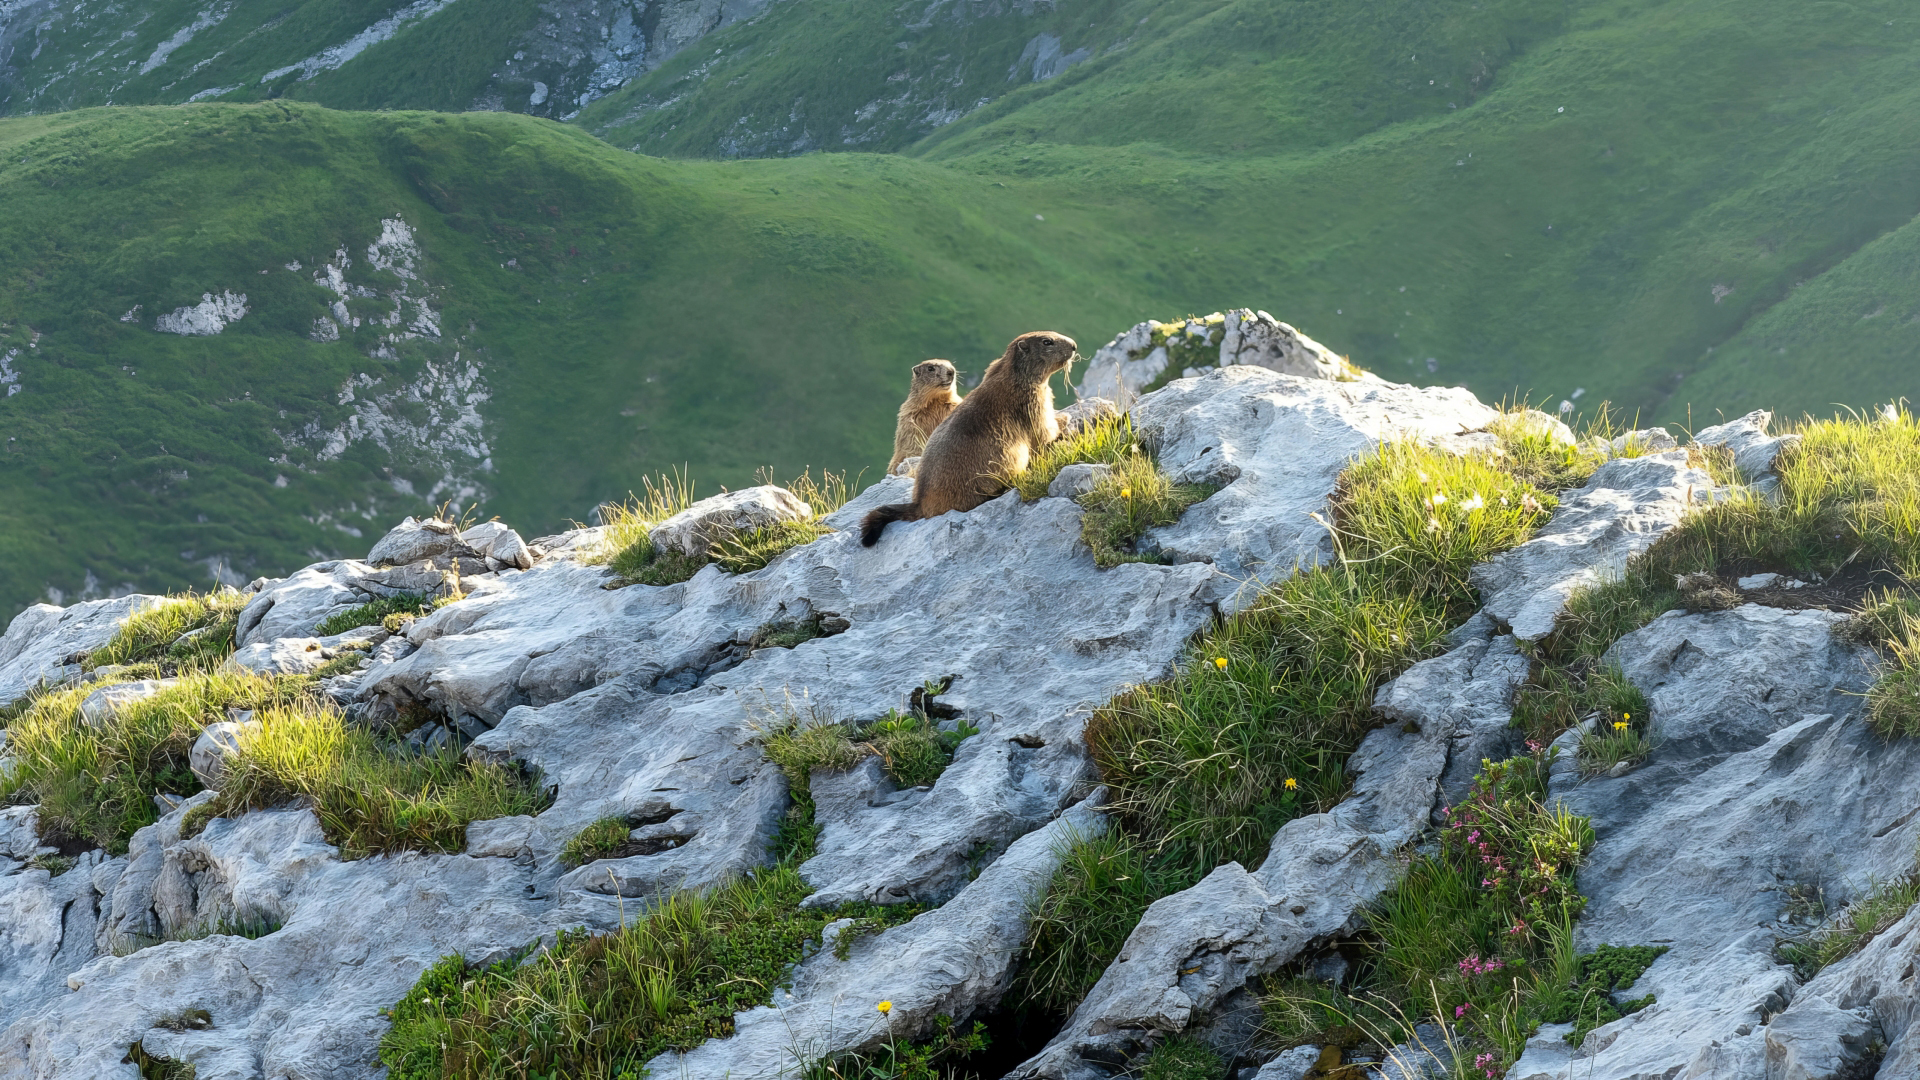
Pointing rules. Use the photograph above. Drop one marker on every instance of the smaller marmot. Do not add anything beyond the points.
(989, 436)
(928, 402)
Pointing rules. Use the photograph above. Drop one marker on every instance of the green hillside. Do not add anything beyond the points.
(1719, 219)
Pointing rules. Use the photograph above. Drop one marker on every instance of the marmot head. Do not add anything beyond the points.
(932, 375)
(1036, 356)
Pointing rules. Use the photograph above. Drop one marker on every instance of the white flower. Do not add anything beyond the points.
(1474, 503)
(1437, 498)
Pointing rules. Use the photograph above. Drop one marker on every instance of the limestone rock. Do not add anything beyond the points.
(19, 833)
(43, 643)
(1754, 451)
(1258, 339)
(951, 961)
(1467, 694)
(305, 1000)
(907, 466)
(414, 540)
(1195, 948)
(1869, 993)
(693, 530)
(279, 656)
(1290, 1065)
(1076, 480)
(216, 743)
(1082, 413)
(1763, 776)
(495, 541)
(1123, 368)
(1627, 505)
(1276, 444)
(296, 605)
(1643, 440)
(97, 708)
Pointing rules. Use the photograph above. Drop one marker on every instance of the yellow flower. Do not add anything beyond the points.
(1126, 493)
(1626, 716)
(1292, 784)
(885, 1007)
(1619, 725)
(1220, 662)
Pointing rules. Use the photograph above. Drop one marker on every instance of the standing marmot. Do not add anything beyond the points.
(989, 436)
(928, 402)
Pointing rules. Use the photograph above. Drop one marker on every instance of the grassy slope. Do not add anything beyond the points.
(725, 315)
(1317, 156)
(735, 314)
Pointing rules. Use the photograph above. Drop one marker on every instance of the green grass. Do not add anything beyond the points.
(1884, 904)
(1256, 725)
(369, 798)
(95, 786)
(1182, 1058)
(1751, 145)
(375, 613)
(913, 750)
(1125, 503)
(1893, 702)
(597, 841)
(940, 1056)
(1477, 938)
(1106, 441)
(154, 636)
(1101, 888)
(599, 1006)
(153, 1068)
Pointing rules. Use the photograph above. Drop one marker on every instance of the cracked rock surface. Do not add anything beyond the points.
(1764, 778)
(648, 702)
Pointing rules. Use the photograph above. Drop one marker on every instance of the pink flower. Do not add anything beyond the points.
(1461, 1010)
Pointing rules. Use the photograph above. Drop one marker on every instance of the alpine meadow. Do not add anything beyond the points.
(252, 330)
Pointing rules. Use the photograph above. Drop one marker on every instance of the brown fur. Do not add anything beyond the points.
(928, 402)
(987, 437)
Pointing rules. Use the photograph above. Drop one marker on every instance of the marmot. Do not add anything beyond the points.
(928, 402)
(989, 436)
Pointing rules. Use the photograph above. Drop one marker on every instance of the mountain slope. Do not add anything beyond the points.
(546, 58)
(600, 317)
(1726, 180)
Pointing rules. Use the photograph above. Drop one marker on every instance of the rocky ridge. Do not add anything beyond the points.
(648, 701)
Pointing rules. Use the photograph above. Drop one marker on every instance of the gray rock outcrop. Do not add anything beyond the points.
(693, 530)
(1627, 505)
(1764, 780)
(647, 702)
(1122, 369)
(43, 643)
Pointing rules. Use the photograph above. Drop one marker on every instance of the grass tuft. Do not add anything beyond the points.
(1869, 916)
(1182, 1058)
(597, 1007)
(95, 785)
(155, 635)
(599, 840)
(1124, 504)
(630, 553)
(742, 552)
(158, 1068)
(376, 613)
(1108, 440)
(371, 798)
(913, 749)
(1102, 887)
(940, 1056)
